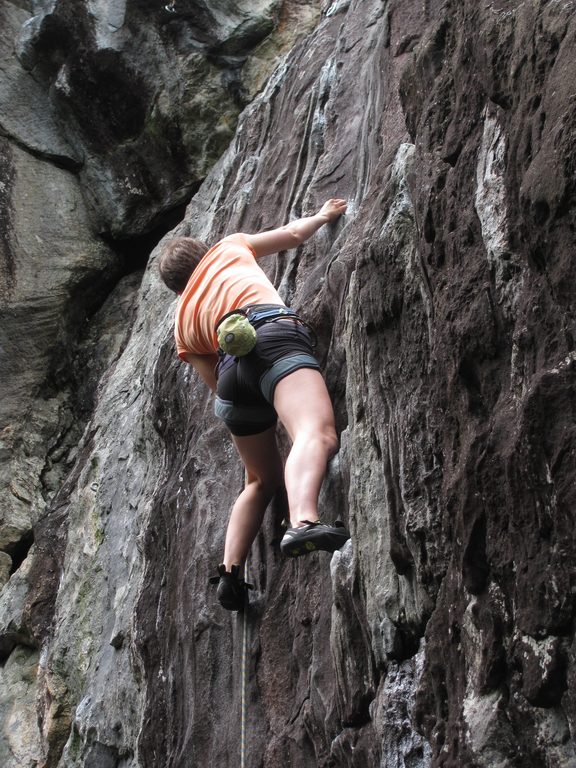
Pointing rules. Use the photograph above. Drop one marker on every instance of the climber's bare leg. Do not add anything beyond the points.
(263, 465)
(305, 409)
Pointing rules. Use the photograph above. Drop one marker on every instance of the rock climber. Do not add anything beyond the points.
(271, 373)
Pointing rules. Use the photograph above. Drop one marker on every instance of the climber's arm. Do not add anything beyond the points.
(296, 232)
(204, 365)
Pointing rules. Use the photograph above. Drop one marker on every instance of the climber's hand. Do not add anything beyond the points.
(296, 232)
(333, 208)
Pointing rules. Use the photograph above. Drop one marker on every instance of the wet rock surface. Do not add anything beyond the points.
(443, 634)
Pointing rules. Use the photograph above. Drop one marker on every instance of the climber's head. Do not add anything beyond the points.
(178, 260)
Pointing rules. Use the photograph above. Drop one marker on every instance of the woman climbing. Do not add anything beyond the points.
(268, 372)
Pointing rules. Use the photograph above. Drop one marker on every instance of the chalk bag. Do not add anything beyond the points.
(236, 335)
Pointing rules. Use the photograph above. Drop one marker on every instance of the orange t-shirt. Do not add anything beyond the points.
(226, 278)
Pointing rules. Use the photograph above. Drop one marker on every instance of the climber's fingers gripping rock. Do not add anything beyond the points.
(333, 208)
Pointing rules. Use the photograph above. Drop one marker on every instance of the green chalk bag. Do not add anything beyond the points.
(236, 335)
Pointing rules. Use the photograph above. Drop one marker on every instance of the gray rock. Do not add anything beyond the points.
(27, 114)
(15, 591)
(20, 741)
(49, 253)
(5, 568)
(443, 633)
(148, 97)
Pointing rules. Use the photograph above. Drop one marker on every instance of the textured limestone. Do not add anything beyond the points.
(147, 95)
(5, 567)
(442, 635)
(13, 630)
(19, 741)
(49, 255)
(21, 97)
(296, 20)
(19, 736)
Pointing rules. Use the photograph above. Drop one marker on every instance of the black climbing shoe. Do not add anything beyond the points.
(232, 592)
(311, 537)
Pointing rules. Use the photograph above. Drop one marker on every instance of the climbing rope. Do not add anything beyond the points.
(243, 674)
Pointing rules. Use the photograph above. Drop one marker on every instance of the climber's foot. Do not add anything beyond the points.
(232, 592)
(311, 537)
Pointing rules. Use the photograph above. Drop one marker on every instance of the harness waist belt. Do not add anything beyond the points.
(258, 314)
(236, 329)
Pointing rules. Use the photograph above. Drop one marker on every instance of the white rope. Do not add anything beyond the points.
(243, 674)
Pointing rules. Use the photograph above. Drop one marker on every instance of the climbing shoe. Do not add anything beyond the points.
(312, 537)
(232, 592)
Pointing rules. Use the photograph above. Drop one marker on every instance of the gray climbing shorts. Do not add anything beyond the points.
(245, 391)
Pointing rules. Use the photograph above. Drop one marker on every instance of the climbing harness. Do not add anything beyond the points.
(236, 330)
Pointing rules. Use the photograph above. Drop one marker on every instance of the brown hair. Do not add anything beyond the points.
(178, 260)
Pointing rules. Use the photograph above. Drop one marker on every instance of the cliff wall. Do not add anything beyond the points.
(443, 633)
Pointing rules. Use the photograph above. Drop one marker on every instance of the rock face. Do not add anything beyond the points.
(443, 634)
(147, 94)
